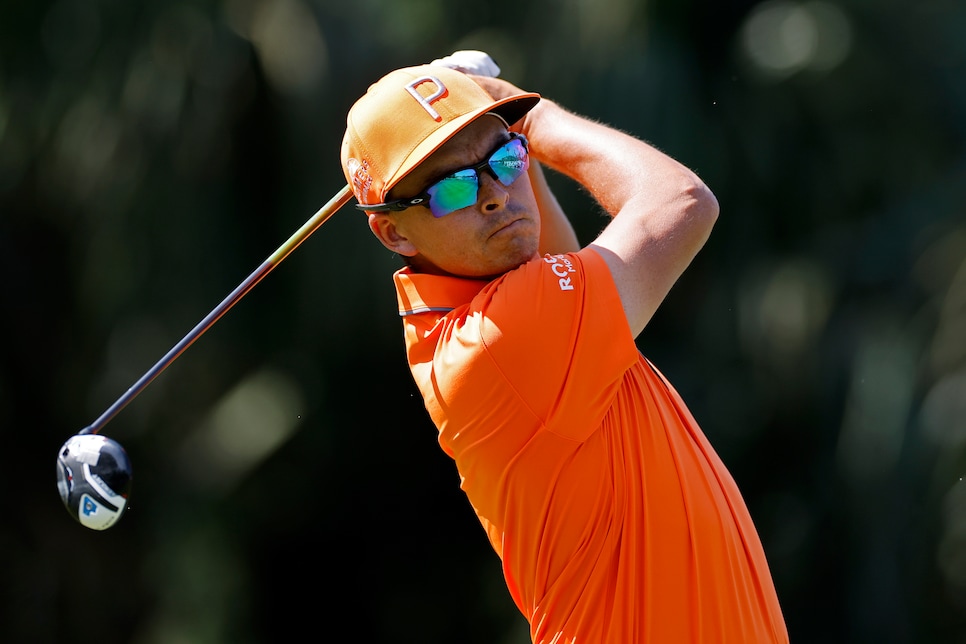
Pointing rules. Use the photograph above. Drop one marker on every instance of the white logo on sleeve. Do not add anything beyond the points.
(562, 268)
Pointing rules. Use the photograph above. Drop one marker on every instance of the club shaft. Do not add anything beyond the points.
(293, 242)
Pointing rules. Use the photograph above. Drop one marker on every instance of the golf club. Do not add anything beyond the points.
(94, 473)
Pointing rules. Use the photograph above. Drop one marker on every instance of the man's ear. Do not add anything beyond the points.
(384, 228)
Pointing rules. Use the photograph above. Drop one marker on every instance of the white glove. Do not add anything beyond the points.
(470, 61)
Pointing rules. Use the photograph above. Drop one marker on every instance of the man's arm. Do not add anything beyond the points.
(556, 232)
(662, 212)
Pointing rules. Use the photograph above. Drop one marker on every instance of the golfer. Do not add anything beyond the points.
(615, 520)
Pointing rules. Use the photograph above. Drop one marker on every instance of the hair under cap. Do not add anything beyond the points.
(406, 116)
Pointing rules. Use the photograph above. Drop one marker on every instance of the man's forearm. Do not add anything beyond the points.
(556, 232)
(615, 167)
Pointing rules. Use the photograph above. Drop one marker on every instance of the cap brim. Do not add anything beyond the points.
(510, 109)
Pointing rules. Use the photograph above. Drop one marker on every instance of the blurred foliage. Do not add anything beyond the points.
(287, 482)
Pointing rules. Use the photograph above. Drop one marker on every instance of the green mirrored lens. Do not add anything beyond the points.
(456, 191)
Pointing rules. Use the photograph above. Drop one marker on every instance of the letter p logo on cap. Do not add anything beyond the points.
(427, 101)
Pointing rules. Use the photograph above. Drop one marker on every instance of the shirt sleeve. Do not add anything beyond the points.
(556, 330)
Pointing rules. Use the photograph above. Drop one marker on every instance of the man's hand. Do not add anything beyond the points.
(470, 61)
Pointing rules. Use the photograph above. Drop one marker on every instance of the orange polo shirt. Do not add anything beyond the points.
(614, 517)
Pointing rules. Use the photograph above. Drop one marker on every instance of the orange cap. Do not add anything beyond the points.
(406, 116)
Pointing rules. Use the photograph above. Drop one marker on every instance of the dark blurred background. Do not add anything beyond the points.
(288, 485)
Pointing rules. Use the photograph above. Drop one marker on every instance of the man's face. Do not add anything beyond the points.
(498, 233)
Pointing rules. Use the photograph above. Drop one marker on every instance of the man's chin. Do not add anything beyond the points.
(513, 262)
(513, 255)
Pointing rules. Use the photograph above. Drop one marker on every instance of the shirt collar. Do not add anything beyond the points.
(422, 292)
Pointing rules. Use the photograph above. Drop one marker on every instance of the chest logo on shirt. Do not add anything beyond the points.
(561, 267)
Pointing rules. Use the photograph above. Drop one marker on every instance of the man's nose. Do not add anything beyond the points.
(493, 194)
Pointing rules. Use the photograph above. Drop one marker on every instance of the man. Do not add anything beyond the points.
(614, 518)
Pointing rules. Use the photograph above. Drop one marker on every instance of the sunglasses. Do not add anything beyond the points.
(460, 189)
